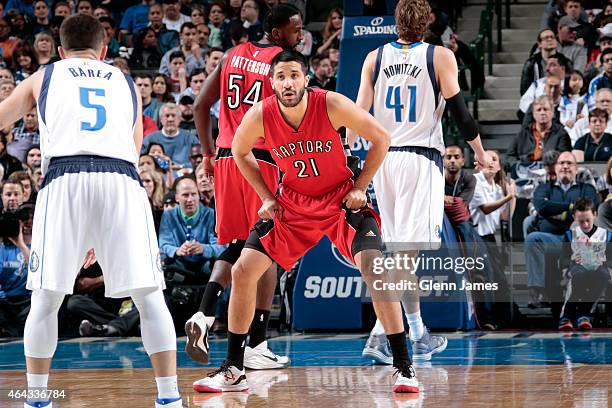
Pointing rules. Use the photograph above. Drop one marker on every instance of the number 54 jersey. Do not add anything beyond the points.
(86, 107)
(407, 100)
(245, 80)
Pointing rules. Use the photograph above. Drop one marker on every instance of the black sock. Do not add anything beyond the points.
(399, 348)
(235, 349)
(259, 327)
(212, 293)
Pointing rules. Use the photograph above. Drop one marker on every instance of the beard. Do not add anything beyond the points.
(296, 101)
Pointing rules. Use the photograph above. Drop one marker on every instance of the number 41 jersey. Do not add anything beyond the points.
(407, 98)
(86, 107)
(245, 80)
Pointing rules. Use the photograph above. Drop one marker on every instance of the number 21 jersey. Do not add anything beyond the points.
(407, 98)
(245, 80)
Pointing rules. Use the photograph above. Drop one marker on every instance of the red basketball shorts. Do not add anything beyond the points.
(236, 202)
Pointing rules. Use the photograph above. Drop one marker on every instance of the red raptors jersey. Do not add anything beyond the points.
(312, 157)
(245, 80)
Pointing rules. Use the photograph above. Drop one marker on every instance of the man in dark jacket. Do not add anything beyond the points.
(554, 202)
(535, 66)
(541, 135)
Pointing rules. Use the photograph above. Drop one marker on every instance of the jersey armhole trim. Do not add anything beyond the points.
(376, 71)
(432, 73)
(130, 82)
(44, 90)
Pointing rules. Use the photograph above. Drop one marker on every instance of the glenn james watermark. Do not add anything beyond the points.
(432, 285)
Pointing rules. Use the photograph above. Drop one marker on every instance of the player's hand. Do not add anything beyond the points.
(90, 259)
(269, 208)
(355, 199)
(484, 161)
(208, 163)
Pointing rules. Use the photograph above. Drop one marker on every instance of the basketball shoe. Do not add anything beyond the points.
(169, 403)
(262, 358)
(225, 378)
(197, 328)
(38, 404)
(377, 349)
(427, 345)
(405, 380)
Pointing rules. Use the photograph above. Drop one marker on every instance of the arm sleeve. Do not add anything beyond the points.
(466, 124)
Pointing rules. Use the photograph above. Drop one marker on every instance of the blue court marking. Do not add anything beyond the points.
(471, 349)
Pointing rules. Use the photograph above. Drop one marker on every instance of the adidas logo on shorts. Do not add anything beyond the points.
(370, 233)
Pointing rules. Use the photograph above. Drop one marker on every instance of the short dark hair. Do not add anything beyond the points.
(196, 72)
(561, 59)
(605, 52)
(550, 157)
(291, 56)
(213, 49)
(176, 54)
(187, 24)
(456, 146)
(144, 75)
(583, 204)
(108, 20)
(316, 60)
(279, 16)
(81, 32)
(599, 113)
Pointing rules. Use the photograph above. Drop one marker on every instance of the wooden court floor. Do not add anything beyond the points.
(569, 385)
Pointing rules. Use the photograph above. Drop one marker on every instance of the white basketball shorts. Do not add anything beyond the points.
(94, 202)
(409, 188)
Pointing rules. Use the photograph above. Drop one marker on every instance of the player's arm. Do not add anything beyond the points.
(209, 94)
(138, 130)
(344, 112)
(365, 96)
(248, 132)
(21, 100)
(447, 74)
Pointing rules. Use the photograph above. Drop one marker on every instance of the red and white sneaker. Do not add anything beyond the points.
(225, 378)
(406, 379)
(197, 328)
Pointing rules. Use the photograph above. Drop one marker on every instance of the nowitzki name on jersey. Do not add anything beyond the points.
(249, 65)
(402, 69)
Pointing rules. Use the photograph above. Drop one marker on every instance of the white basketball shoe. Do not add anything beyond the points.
(225, 378)
(262, 358)
(197, 328)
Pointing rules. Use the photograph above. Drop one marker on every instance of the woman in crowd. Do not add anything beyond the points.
(146, 53)
(44, 46)
(597, 144)
(198, 14)
(24, 61)
(154, 186)
(161, 88)
(331, 32)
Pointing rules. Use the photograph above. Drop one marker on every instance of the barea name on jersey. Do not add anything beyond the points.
(89, 73)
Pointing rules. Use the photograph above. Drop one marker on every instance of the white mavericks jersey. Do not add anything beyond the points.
(86, 107)
(407, 98)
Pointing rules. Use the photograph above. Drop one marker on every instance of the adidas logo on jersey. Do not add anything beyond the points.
(370, 233)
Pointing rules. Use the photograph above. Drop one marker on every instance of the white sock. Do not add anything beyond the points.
(416, 325)
(167, 387)
(378, 329)
(37, 383)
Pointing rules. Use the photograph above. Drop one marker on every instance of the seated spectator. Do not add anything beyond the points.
(331, 31)
(146, 54)
(42, 18)
(198, 14)
(25, 136)
(135, 18)
(187, 233)
(459, 186)
(535, 66)
(178, 74)
(14, 259)
(7, 43)
(186, 107)
(541, 136)
(8, 162)
(33, 157)
(19, 27)
(216, 21)
(603, 100)
(596, 145)
(305, 46)
(148, 162)
(98, 315)
(212, 59)
(586, 34)
(7, 86)
(173, 19)
(166, 39)
(556, 67)
(603, 80)
(205, 187)
(84, 7)
(196, 80)
(101, 11)
(29, 190)
(112, 45)
(573, 100)
(161, 88)
(150, 105)
(155, 188)
(554, 202)
(249, 20)
(44, 47)
(24, 59)
(605, 41)
(566, 33)
(62, 9)
(177, 142)
(189, 48)
(323, 74)
(203, 32)
(588, 252)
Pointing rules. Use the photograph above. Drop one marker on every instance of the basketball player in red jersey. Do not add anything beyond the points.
(240, 81)
(317, 197)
